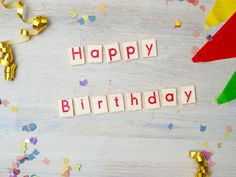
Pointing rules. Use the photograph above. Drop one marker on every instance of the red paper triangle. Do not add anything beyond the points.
(221, 46)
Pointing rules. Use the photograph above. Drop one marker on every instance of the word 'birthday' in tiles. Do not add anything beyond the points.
(132, 101)
(113, 52)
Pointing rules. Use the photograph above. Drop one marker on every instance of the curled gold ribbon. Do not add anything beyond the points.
(7, 61)
(39, 23)
(202, 168)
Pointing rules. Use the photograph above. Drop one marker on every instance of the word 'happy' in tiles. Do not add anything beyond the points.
(130, 101)
(113, 52)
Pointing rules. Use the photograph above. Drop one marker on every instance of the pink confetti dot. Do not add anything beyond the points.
(194, 2)
(195, 49)
(228, 129)
(14, 165)
(211, 164)
(196, 34)
(45, 161)
(202, 8)
(5, 103)
(10, 170)
(19, 158)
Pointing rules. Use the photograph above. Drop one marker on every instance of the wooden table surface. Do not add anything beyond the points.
(127, 144)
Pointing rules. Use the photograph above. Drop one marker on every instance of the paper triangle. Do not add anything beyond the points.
(221, 11)
(229, 92)
(221, 46)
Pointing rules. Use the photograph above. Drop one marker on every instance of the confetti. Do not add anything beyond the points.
(85, 17)
(5, 103)
(196, 34)
(36, 152)
(207, 154)
(33, 140)
(29, 128)
(195, 49)
(67, 168)
(202, 8)
(205, 145)
(203, 128)
(66, 161)
(170, 126)
(168, 1)
(211, 164)
(101, 7)
(14, 109)
(23, 146)
(178, 24)
(227, 134)
(83, 83)
(27, 141)
(77, 167)
(14, 165)
(228, 129)
(92, 18)
(14, 170)
(208, 37)
(219, 145)
(81, 21)
(193, 2)
(73, 13)
(46, 161)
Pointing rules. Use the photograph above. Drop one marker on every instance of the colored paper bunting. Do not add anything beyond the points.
(221, 11)
(229, 92)
(221, 46)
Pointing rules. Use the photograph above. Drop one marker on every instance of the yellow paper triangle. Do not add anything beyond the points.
(221, 11)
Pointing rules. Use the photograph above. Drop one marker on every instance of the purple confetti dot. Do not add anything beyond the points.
(33, 140)
(83, 83)
(207, 154)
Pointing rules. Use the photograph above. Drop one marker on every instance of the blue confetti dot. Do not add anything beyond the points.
(92, 18)
(170, 126)
(36, 152)
(203, 128)
(81, 21)
(30, 127)
(209, 37)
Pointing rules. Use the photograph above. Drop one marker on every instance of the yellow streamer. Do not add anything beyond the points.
(39, 23)
(221, 11)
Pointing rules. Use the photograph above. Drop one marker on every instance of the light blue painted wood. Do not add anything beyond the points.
(128, 144)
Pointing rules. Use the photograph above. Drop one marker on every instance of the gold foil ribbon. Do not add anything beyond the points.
(202, 168)
(39, 23)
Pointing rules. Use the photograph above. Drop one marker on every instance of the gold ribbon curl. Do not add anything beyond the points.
(39, 23)
(202, 168)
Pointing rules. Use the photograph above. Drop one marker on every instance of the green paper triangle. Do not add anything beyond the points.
(229, 92)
